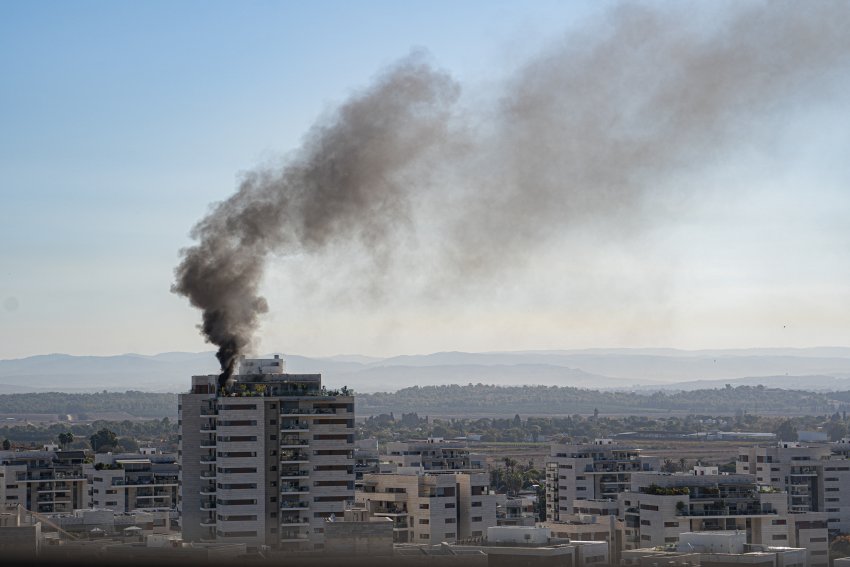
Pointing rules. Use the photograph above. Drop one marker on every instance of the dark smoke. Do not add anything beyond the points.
(580, 133)
(345, 183)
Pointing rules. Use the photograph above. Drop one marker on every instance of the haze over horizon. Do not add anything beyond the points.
(122, 127)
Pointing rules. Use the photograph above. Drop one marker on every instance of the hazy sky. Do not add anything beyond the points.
(120, 123)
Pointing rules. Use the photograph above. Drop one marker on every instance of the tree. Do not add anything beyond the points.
(103, 440)
(683, 464)
(65, 439)
(128, 445)
(7, 445)
(786, 431)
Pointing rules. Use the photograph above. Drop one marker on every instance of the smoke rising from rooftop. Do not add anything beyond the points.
(579, 133)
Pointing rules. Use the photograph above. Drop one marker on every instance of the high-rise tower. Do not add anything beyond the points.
(267, 461)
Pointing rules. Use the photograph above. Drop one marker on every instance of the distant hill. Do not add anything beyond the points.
(822, 368)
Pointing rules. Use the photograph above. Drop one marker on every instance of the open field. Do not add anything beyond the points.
(706, 452)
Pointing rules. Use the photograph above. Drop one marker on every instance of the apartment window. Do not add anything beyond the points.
(477, 518)
(450, 504)
(650, 507)
(778, 522)
(238, 502)
(450, 520)
(451, 535)
(424, 506)
(819, 552)
(341, 498)
(237, 438)
(424, 521)
(476, 504)
(779, 537)
(645, 523)
(424, 536)
(818, 540)
(671, 524)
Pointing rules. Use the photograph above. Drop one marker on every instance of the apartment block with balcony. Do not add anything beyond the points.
(46, 482)
(131, 481)
(590, 471)
(431, 508)
(269, 461)
(432, 455)
(658, 507)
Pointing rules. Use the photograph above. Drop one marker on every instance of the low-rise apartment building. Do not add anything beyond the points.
(45, 482)
(590, 471)
(130, 481)
(431, 508)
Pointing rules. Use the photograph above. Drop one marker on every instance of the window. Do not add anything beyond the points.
(779, 537)
(450, 520)
(450, 504)
(477, 518)
(424, 521)
(451, 535)
(424, 536)
(424, 506)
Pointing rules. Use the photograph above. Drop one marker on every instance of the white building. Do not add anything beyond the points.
(590, 471)
(268, 462)
(133, 481)
(45, 482)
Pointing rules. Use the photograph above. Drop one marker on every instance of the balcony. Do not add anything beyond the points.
(207, 460)
(294, 457)
(208, 506)
(294, 474)
(294, 505)
(294, 521)
(723, 512)
(208, 475)
(208, 523)
(208, 491)
(293, 488)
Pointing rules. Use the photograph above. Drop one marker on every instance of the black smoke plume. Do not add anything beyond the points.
(346, 182)
(581, 131)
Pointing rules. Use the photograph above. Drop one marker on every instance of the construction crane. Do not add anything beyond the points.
(46, 520)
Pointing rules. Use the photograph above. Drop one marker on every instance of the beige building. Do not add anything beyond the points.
(45, 482)
(434, 454)
(590, 471)
(267, 463)
(658, 507)
(132, 481)
(431, 508)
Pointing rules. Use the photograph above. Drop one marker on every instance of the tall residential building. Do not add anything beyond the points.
(816, 477)
(791, 467)
(46, 482)
(131, 481)
(590, 471)
(431, 508)
(267, 463)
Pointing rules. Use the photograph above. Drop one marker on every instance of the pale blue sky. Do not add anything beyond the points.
(120, 122)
